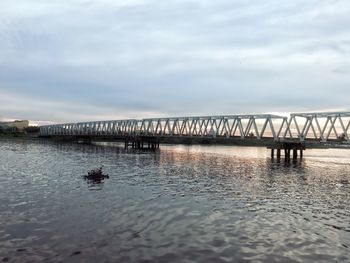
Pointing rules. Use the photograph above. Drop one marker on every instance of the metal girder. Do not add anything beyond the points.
(321, 114)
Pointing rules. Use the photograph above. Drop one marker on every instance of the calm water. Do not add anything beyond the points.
(181, 204)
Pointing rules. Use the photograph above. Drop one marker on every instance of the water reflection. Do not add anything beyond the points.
(182, 203)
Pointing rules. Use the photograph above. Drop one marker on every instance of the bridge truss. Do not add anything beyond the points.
(323, 127)
(228, 126)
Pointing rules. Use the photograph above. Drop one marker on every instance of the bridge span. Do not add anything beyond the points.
(296, 132)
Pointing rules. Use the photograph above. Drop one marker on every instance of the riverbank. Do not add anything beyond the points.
(17, 136)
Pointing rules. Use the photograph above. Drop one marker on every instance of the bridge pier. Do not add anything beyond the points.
(84, 140)
(278, 153)
(151, 143)
(287, 148)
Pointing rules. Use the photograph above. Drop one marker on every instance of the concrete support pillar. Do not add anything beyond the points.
(126, 144)
(287, 157)
(278, 153)
(295, 154)
(287, 148)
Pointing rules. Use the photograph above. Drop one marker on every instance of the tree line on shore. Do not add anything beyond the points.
(16, 131)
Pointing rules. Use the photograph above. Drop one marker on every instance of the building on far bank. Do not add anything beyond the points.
(19, 125)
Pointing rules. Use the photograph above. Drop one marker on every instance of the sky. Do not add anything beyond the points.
(80, 60)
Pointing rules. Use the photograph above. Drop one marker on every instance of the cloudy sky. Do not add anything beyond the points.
(111, 59)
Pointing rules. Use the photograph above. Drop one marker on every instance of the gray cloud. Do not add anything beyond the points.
(81, 60)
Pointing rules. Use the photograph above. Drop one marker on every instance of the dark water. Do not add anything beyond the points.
(182, 204)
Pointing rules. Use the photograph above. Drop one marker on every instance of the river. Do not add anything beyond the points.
(180, 204)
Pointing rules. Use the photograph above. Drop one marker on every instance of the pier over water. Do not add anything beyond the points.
(278, 133)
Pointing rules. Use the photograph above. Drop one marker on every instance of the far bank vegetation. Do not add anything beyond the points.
(13, 131)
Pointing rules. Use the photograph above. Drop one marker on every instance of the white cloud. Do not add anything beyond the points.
(142, 57)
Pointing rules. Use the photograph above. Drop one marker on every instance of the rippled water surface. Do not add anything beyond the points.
(181, 204)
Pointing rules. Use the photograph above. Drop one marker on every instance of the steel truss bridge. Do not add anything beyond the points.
(322, 128)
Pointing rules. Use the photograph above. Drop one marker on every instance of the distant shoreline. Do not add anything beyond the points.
(19, 136)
